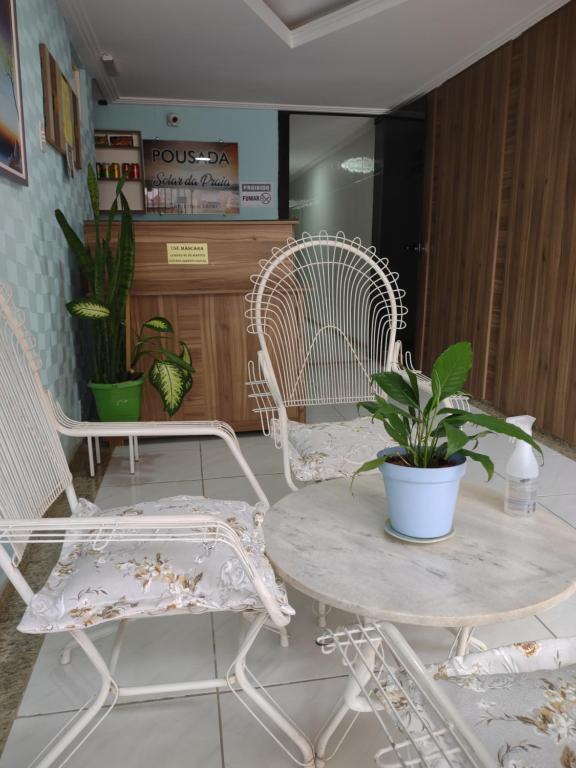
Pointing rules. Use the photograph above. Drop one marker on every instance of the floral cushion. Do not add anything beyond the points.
(333, 449)
(93, 583)
(526, 718)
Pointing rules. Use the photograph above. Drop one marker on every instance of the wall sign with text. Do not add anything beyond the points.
(191, 177)
(187, 253)
(256, 194)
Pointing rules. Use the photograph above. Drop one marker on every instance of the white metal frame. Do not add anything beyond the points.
(326, 311)
(384, 674)
(33, 474)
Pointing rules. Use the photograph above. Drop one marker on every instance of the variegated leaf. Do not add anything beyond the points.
(171, 382)
(159, 324)
(89, 309)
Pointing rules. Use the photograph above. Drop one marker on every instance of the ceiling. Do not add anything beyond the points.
(366, 56)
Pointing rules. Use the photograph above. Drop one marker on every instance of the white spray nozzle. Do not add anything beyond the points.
(524, 422)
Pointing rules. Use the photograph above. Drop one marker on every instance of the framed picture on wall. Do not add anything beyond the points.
(12, 143)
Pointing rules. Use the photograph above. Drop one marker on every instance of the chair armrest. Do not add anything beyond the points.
(98, 532)
(259, 393)
(67, 426)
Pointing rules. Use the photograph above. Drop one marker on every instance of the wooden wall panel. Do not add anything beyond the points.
(468, 121)
(500, 223)
(206, 306)
(533, 356)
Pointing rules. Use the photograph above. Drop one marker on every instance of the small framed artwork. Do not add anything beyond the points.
(12, 142)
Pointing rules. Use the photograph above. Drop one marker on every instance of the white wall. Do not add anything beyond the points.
(333, 198)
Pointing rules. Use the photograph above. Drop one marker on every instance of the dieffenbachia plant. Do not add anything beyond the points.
(170, 374)
(431, 434)
(108, 271)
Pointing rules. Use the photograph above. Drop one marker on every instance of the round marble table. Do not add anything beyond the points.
(330, 544)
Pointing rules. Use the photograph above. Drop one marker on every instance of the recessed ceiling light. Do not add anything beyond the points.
(358, 165)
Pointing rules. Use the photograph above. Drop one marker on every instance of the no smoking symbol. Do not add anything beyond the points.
(265, 198)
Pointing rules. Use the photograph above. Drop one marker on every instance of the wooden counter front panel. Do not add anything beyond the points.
(234, 252)
(205, 303)
(220, 349)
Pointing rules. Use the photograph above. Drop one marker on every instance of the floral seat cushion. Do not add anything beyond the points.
(333, 449)
(91, 583)
(525, 720)
(520, 701)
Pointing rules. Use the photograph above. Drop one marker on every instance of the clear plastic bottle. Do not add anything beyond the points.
(521, 473)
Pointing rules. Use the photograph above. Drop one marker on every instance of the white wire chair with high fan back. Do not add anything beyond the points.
(176, 556)
(326, 311)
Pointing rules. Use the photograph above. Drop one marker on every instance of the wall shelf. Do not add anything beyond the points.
(105, 154)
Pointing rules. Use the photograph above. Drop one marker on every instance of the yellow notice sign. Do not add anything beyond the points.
(187, 253)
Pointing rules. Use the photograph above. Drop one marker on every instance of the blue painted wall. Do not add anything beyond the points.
(34, 258)
(255, 130)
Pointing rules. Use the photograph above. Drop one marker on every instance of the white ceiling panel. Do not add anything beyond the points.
(221, 51)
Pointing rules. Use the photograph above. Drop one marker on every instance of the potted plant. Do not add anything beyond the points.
(422, 475)
(108, 271)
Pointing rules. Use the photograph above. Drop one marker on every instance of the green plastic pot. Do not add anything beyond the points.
(118, 402)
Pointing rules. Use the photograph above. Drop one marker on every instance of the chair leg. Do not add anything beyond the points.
(328, 731)
(131, 451)
(465, 641)
(59, 745)
(90, 456)
(97, 445)
(95, 634)
(136, 449)
(262, 701)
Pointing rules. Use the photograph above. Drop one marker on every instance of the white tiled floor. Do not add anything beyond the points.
(214, 730)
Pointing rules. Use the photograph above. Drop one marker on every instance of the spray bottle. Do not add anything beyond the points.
(521, 472)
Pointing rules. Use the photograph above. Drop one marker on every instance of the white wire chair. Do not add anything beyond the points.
(508, 706)
(326, 311)
(420, 726)
(34, 473)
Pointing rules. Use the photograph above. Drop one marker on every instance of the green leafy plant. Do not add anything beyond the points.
(170, 374)
(108, 271)
(430, 434)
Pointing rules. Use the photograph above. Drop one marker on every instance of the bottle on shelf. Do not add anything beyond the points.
(521, 473)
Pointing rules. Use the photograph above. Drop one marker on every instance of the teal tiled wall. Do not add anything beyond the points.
(34, 258)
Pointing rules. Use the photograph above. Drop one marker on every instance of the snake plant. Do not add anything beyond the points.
(108, 271)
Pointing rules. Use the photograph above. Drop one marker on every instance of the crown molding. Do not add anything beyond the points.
(323, 25)
(510, 33)
(87, 46)
(313, 108)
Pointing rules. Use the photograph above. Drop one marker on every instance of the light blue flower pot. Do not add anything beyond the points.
(422, 502)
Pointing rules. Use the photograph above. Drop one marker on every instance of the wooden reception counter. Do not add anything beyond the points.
(205, 303)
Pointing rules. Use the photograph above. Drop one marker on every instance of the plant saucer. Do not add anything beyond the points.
(413, 539)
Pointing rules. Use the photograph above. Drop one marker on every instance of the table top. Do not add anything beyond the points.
(330, 544)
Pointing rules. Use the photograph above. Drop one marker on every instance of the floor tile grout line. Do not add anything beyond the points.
(546, 627)
(191, 480)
